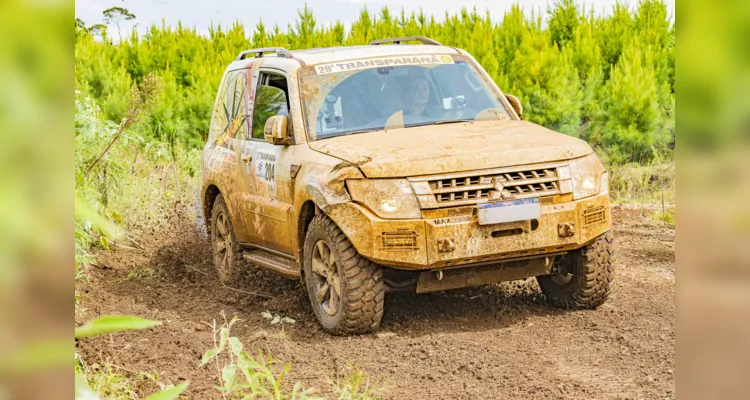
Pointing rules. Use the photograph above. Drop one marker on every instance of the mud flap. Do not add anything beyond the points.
(436, 280)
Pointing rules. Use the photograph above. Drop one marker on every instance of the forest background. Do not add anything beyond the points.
(608, 79)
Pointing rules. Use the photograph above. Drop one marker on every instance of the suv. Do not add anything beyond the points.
(363, 170)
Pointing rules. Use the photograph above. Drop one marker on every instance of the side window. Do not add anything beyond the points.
(460, 81)
(231, 110)
(271, 98)
(218, 117)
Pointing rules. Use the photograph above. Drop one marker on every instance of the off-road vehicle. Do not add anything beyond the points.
(396, 167)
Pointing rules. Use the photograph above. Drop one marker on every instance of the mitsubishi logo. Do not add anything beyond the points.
(499, 192)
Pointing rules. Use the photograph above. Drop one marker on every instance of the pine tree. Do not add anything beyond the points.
(634, 124)
(564, 18)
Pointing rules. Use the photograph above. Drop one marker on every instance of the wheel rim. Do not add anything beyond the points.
(222, 244)
(327, 283)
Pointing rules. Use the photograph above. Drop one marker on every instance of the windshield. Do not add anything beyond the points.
(394, 92)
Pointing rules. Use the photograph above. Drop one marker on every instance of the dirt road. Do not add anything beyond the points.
(490, 342)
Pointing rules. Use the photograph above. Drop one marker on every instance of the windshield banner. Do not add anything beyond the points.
(379, 62)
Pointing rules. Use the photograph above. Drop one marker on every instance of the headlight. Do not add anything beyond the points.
(387, 198)
(586, 173)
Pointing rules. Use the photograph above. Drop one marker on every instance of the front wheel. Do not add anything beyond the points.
(586, 278)
(345, 289)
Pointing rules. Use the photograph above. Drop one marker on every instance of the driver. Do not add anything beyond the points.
(416, 98)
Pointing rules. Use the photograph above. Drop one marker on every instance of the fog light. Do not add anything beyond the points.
(399, 240)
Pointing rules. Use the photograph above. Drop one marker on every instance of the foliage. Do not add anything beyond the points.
(242, 376)
(256, 375)
(135, 178)
(113, 323)
(650, 183)
(355, 385)
(116, 15)
(667, 215)
(608, 78)
(106, 382)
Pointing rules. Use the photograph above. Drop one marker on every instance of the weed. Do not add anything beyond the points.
(107, 380)
(97, 380)
(256, 374)
(642, 184)
(276, 318)
(354, 385)
(142, 273)
(666, 215)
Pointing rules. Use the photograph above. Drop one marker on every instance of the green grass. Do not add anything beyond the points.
(667, 216)
(355, 385)
(652, 184)
(240, 375)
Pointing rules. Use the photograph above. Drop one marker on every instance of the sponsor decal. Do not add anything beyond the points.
(220, 156)
(380, 62)
(451, 220)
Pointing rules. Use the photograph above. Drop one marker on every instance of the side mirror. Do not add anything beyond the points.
(516, 104)
(275, 130)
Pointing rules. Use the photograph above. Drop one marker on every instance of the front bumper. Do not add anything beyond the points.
(455, 238)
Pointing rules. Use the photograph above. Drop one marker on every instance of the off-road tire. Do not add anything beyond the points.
(229, 268)
(592, 272)
(360, 306)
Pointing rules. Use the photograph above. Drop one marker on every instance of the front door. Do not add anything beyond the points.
(266, 195)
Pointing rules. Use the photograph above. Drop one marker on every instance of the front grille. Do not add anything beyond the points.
(594, 216)
(473, 189)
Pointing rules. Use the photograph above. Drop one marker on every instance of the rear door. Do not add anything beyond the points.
(228, 131)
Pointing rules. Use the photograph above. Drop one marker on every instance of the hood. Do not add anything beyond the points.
(438, 149)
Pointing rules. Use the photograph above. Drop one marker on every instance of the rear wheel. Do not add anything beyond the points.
(345, 289)
(227, 253)
(586, 278)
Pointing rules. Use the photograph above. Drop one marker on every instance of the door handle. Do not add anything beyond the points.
(247, 158)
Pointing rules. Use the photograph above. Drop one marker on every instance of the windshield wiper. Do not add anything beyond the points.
(360, 131)
(452, 121)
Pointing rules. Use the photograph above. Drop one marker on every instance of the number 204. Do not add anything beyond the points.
(269, 171)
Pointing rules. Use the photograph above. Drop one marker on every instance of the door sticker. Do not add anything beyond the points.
(221, 156)
(265, 172)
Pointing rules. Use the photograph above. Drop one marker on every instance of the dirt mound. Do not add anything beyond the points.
(494, 341)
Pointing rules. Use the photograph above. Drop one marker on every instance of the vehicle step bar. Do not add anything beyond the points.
(273, 262)
(280, 51)
(398, 40)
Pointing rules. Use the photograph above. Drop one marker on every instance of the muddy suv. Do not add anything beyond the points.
(363, 170)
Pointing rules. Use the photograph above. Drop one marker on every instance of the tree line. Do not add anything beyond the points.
(608, 79)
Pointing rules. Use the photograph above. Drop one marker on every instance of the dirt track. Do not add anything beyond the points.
(490, 342)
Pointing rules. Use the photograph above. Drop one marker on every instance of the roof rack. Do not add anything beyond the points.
(398, 40)
(280, 51)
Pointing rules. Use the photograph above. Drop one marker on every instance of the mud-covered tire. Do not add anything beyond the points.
(362, 292)
(591, 276)
(225, 250)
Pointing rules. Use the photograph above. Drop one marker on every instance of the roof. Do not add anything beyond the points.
(342, 53)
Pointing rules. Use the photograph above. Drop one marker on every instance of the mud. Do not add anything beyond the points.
(495, 341)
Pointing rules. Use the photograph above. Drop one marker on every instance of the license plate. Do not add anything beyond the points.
(509, 211)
